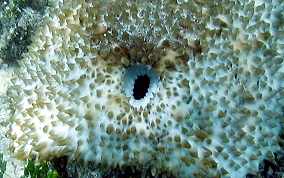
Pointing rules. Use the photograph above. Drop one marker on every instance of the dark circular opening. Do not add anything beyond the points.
(141, 86)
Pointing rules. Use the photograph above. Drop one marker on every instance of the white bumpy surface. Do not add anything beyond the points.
(218, 107)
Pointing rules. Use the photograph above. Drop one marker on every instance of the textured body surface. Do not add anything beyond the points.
(218, 106)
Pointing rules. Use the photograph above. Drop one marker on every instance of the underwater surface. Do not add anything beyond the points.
(171, 88)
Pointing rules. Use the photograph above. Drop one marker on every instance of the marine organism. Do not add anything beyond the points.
(210, 72)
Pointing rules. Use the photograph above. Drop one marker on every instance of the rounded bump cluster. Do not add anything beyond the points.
(218, 109)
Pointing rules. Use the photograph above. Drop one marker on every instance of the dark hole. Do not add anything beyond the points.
(141, 86)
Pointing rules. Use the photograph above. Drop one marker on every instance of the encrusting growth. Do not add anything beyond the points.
(211, 98)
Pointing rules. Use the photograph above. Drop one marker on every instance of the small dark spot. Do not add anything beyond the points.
(141, 86)
(189, 100)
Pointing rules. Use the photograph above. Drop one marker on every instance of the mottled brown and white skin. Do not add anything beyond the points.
(217, 107)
